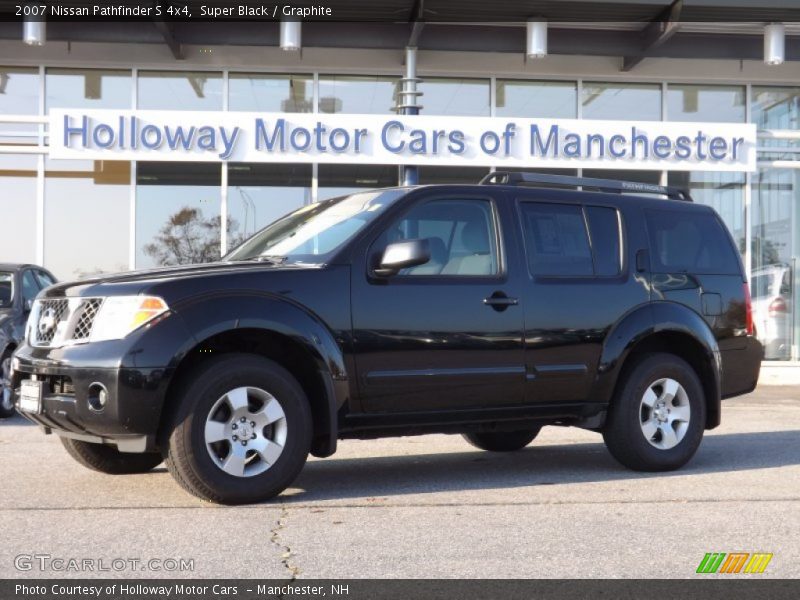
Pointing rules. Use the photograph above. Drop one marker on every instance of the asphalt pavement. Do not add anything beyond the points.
(422, 507)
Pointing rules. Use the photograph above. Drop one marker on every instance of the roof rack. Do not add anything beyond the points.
(606, 185)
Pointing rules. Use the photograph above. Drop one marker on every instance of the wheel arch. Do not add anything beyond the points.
(663, 327)
(275, 329)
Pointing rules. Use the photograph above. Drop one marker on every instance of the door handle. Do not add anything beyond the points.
(500, 300)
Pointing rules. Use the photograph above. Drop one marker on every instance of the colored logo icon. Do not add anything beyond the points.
(734, 562)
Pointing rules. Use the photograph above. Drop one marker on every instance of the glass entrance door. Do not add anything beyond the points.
(773, 222)
(774, 268)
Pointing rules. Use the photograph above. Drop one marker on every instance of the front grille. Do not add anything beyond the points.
(55, 322)
(88, 312)
(51, 314)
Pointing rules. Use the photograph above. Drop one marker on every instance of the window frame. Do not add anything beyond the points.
(621, 232)
(502, 269)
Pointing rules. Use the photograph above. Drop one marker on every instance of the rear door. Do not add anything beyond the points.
(580, 284)
(448, 334)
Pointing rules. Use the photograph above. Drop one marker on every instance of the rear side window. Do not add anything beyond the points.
(558, 244)
(687, 241)
(556, 240)
(604, 230)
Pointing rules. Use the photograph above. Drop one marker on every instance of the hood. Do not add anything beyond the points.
(136, 282)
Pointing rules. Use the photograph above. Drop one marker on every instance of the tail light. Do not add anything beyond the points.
(748, 307)
(777, 307)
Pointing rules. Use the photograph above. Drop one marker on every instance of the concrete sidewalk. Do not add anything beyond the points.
(776, 372)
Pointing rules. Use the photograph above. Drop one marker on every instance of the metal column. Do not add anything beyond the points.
(407, 105)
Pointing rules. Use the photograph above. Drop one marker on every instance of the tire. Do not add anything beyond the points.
(6, 404)
(661, 393)
(109, 460)
(207, 441)
(502, 441)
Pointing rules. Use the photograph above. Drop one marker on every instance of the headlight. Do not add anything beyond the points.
(120, 315)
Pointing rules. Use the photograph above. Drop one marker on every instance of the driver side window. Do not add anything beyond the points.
(461, 235)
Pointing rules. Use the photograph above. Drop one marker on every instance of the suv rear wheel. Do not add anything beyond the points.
(658, 416)
(111, 461)
(502, 441)
(241, 432)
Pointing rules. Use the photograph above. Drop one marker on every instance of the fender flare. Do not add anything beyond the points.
(652, 319)
(207, 315)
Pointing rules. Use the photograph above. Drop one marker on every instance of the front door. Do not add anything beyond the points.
(447, 334)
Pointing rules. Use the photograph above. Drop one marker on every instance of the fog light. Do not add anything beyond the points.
(98, 397)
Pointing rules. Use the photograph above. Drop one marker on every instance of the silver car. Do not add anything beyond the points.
(772, 309)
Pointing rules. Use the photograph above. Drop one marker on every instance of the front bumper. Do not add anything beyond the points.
(131, 414)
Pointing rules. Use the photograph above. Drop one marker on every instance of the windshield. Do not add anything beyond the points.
(6, 289)
(314, 232)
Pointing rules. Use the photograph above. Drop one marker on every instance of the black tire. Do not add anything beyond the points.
(190, 461)
(502, 441)
(624, 433)
(6, 405)
(109, 460)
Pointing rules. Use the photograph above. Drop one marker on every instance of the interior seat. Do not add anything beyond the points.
(478, 260)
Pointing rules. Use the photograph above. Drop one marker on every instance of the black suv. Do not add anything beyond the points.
(488, 310)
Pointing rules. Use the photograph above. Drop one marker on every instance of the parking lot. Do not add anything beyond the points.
(429, 506)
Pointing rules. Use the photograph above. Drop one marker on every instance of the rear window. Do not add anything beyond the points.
(688, 241)
(762, 286)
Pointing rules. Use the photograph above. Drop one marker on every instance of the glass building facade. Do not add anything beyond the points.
(138, 214)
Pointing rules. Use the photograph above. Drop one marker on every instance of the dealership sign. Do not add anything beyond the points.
(378, 139)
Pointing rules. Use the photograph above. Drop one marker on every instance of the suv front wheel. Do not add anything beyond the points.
(241, 432)
(657, 419)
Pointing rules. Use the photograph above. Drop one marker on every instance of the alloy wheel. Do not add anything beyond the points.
(664, 413)
(245, 431)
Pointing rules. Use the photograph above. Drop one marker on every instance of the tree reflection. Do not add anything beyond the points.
(188, 237)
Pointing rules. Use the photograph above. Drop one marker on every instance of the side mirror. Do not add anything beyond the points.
(28, 305)
(402, 255)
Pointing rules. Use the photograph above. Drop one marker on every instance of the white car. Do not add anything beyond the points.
(772, 309)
